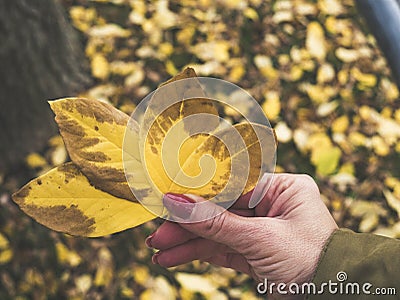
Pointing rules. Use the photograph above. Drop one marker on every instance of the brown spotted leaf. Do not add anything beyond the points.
(93, 134)
(64, 200)
(185, 150)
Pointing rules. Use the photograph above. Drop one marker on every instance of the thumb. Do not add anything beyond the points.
(211, 221)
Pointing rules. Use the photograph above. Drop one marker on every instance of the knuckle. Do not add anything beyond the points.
(214, 226)
(308, 182)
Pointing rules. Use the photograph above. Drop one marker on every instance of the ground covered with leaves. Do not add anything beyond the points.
(313, 67)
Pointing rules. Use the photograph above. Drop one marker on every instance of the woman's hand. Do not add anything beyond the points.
(280, 240)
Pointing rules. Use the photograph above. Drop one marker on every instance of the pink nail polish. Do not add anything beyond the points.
(148, 240)
(179, 198)
(178, 205)
(154, 258)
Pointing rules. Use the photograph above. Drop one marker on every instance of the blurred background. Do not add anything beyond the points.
(314, 67)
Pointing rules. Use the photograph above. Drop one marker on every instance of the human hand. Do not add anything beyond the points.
(281, 239)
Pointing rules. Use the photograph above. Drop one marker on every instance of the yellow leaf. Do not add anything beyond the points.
(59, 155)
(35, 160)
(326, 159)
(319, 93)
(397, 148)
(264, 64)
(237, 72)
(64, 200)
(127, 292)
(3, 242)
(166, 49)
(343, 76)
(330, 7)
(326, 73)
(346, 55)
(283, 59)
(324, 156)
(83, 283)
(141, 274)
(296, 72)
(105, 272)
(272, 105)
(325, 109)
(380, 146)
(56, 141)
(170, 68)
(108, 31)
(203, 164)
(369, 222)
(347, 168)
(357, 139)
(387, 128)
(93, 134)
(283, 132)
(300, 138)
(304, 8)
(315, 40)
(251, 13)
(393, 231)
(66, 256)
(100, 66)
(386, 112)
(195, 283)
(390, 89)
(214, 50)
(341, 124)
(368, 80)
(135, 78)
(163, 17)
(5, 256)
(123, 68)
(137, 15)
(159, 289)
(82, 17)
(317, 140)
(392, 201)
(185, 35)
(391, 182)
(282, 16)
(6, 253)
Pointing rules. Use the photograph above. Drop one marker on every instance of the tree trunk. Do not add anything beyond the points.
(383, 19)
(40, 59)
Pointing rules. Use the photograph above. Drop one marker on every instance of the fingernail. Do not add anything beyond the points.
(154, 258)
(148, 240)
(179, 205)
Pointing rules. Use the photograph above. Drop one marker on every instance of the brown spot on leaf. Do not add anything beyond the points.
(96, 128)
(19, 197)
(154, 150)
(70, 127)
(70, 220)
(142, 193)
(102, 112)
(110, 180)
(39, 182)
(70, 170)
(94, 156)
(86, 142)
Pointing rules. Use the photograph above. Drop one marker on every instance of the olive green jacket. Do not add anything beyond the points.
(358, 266)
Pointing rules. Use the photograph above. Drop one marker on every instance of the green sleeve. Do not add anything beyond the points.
(365, 259)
